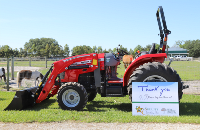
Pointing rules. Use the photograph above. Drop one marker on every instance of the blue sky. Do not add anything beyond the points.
(104, 23)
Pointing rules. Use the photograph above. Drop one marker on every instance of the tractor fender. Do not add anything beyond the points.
(140, 61)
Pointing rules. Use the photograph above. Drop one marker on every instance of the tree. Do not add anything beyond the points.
(78, 50)
(52, 50)
(131, 52)
(114, 50)
(37, 47)
(138, 47)
(110, 51)
(66, 50)
(61, 51)
(157, 46)
(99, 49)
(22, 52)
(16, 52)
(178, 43)
(94, 49)
(105, 51)
(148, 47)
(6, 51)
(193, 47)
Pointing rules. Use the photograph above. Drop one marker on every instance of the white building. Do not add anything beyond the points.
(176, 51)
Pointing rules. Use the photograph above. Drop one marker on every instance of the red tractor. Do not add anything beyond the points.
(77, 79)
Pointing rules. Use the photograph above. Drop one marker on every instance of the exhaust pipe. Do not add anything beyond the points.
(22, 99)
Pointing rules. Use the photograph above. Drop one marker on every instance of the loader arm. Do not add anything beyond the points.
(63, 65)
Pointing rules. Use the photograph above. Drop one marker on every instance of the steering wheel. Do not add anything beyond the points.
(121, 52)
(137, 55)
(116, 57)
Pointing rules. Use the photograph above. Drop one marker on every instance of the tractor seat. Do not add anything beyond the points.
(153, 50)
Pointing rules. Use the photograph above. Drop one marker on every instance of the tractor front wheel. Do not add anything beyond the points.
(155, 72)
(72, 96)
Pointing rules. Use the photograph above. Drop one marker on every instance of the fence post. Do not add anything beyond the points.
(12, 68)
(30, 61)
(46, 61)
(7, 74)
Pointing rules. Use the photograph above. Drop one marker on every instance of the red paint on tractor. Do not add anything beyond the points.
(71, 75)
(140, 61)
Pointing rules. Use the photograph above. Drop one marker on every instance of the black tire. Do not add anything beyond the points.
(91, 96)
(72, 96)
(158, 72)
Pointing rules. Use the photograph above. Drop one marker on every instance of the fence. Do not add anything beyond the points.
(30, 61)
(9, 63)
(196, 59)
(33, 59)
(193, 59)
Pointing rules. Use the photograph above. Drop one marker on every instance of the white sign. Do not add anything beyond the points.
(155, 98)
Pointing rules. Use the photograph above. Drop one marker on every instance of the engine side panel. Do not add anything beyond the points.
(110, 60)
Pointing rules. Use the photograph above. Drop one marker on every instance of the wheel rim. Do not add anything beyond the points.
(70, 98)
(155, 78)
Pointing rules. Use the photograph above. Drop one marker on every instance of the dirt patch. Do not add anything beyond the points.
(194, 87)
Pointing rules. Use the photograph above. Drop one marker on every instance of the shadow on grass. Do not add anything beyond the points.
(1, 99)
(43, 105)
(94, 106)
(105, 105)
(189, 109)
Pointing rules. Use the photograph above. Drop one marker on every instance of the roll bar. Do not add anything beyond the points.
(163, 32)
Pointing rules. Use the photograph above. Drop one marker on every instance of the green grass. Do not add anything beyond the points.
(187, 70)
(108, 109)
(120, 70)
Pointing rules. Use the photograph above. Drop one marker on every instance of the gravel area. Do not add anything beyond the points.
(194, 87)
(98, 126)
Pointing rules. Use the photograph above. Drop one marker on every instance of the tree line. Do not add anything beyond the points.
(49, 47)
(193, 46)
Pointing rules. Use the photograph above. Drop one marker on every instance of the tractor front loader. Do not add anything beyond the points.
(77, 79)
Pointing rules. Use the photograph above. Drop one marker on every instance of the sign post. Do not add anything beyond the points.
(155, 98)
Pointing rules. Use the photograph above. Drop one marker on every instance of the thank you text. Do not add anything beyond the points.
(155, 98)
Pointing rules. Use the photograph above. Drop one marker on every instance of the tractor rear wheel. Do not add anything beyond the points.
(155, 72)
(72, 96)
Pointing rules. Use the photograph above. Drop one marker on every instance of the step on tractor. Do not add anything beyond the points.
(76, 80)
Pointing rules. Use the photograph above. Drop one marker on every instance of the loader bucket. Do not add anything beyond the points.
(22, 99)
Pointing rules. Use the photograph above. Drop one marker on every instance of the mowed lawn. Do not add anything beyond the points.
(102, 109)
(187, 70)
(106, 109)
